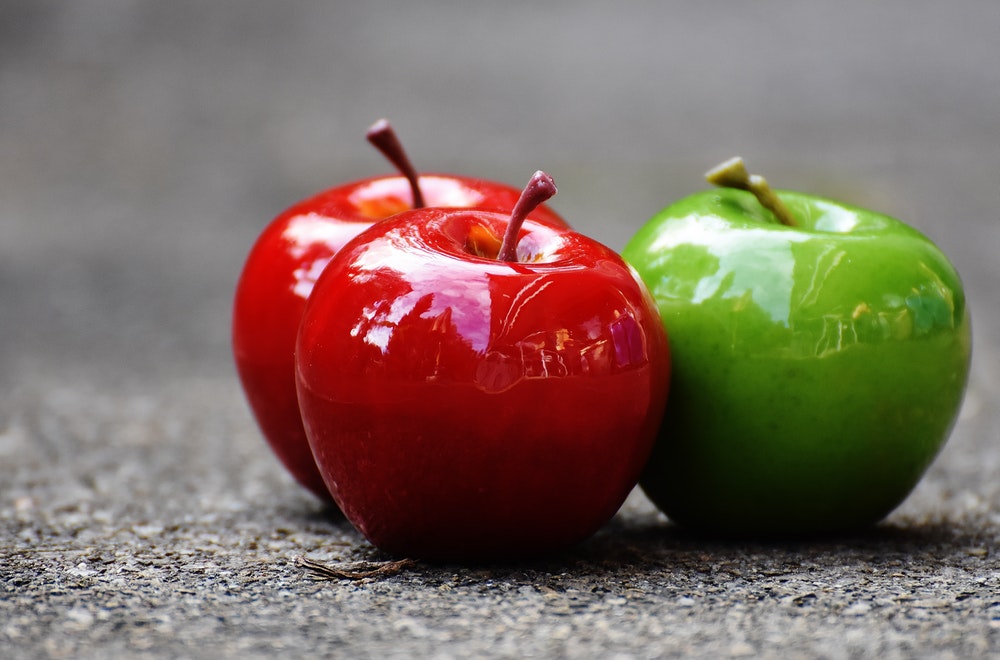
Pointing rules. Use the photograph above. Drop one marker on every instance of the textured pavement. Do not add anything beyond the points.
(143, 146)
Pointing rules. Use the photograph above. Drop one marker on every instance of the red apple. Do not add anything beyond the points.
(465, 406)
(288, 257)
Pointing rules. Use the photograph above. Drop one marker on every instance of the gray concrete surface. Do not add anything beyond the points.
(144, 144)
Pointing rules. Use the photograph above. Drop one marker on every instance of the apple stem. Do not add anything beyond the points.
(539, 188)
(383, 137)
(733, 174)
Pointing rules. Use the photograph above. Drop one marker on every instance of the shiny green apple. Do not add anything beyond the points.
(821, 354)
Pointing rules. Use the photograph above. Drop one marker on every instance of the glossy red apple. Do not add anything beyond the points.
(288, 257)
(464, 406)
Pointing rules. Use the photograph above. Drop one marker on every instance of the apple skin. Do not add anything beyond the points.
(282, 268)
(465, 408)
(817, 371)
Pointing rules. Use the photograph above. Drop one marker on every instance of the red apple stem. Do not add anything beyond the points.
(539, 188)
(733, 174)
(383, 137)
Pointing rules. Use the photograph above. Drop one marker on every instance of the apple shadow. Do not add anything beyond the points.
(649, 547)
(633, 546)
(648, 543)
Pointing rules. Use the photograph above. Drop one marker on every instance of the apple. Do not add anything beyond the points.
(820, 356)
(289, 255)
(471, 397)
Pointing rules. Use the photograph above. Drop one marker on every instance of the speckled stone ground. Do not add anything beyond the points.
(142, 147)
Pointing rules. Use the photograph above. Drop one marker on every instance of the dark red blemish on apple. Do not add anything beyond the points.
(383, 137)
(540, 188)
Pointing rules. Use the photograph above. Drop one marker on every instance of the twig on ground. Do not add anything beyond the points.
(361, 571)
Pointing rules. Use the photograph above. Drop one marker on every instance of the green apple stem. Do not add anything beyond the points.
(733, 174)
(539, 188)
(383, 138)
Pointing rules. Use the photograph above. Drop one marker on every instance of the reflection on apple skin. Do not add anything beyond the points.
(842, 348)
(792, 288)
(487, 315)
(479, 322)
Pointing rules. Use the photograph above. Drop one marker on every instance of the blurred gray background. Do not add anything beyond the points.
(143, 146)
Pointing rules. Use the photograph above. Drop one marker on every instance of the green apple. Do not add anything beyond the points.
(821, 353)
